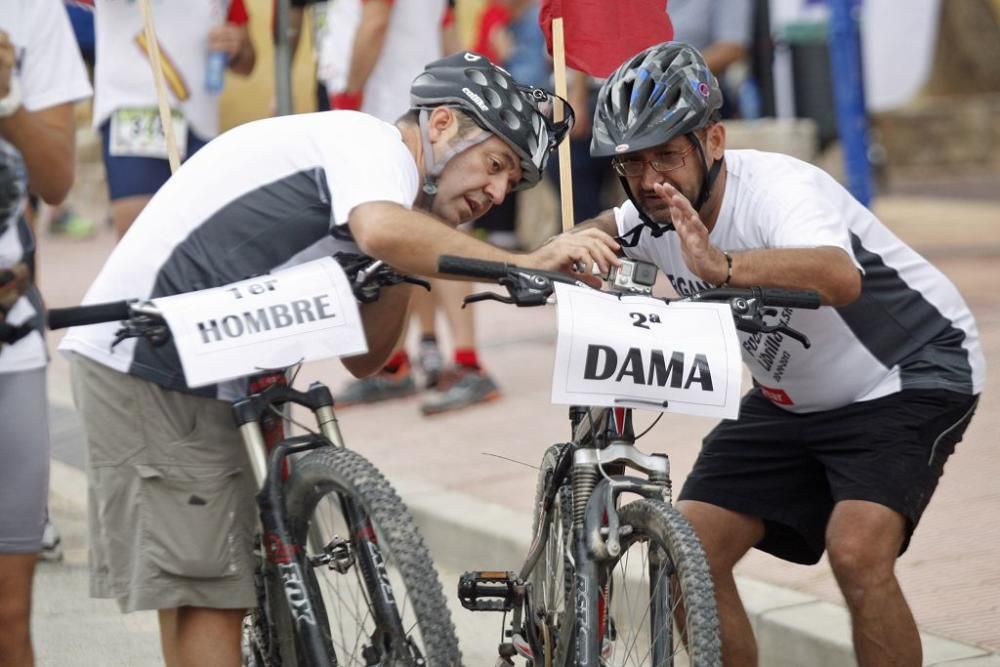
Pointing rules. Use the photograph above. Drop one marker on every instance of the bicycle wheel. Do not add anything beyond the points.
(552, 577)
(382, 597)
(657, 604)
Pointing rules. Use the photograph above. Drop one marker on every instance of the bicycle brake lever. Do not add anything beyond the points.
(486, 296)
(792, 333)
(120, 335)
(418, 282)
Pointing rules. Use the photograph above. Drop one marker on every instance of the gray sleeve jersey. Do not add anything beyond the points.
(263, 196)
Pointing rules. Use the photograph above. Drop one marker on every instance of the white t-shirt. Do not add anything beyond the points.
(123, 76)
(910, 328)
(51, 72)
(412, 40)
(266, 195)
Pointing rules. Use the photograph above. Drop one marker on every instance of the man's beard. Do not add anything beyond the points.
(660, 213)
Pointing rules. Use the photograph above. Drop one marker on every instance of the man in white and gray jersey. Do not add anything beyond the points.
(267, 195)
(838, 447)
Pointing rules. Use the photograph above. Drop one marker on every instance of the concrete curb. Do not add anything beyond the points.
(463, 533)
(793, 629)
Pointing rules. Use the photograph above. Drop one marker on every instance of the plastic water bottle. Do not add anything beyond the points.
(215, 69)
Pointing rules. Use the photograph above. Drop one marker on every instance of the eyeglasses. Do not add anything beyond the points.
(661, 162)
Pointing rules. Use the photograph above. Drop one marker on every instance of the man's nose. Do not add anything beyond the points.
(650, 176)
(497, 189)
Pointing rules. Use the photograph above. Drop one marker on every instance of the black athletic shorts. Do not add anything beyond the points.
(789, 469)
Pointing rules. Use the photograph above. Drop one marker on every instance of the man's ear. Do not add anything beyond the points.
(717, 140)
(442, 124)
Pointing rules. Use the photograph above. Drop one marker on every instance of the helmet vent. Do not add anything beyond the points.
(477, 76)
(493, 98)
(511, 120)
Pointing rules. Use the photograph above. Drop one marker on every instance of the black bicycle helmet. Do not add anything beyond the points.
(658, 94)
(520, 115)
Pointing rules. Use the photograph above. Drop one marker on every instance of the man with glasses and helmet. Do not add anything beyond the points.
(308, 186)
(838, 447)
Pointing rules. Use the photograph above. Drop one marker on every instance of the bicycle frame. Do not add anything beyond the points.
(288, 560)
(601, 437)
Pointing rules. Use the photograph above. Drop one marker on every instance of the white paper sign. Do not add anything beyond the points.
(298, 314)
(639, 352)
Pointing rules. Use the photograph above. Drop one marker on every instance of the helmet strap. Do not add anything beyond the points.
(646, 220)
(432, 168)
(711, 173)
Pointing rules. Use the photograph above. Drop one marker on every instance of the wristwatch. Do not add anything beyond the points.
(10, 104)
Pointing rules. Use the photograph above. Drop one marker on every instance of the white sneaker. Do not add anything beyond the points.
(51, 543)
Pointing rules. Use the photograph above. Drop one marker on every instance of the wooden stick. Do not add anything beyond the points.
(161, 88)
(565, 166)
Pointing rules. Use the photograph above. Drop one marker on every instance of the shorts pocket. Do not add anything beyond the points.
(191, 519)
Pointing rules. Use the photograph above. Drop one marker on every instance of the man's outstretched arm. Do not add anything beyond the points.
(412, 242)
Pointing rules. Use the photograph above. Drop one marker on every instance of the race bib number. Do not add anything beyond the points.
(640, 352)
(139, 133)
(299, 314)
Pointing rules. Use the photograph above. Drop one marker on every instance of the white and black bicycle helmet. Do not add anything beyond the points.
(520, 115)
(658, 94)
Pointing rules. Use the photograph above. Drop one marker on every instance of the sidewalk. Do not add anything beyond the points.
(473, 496)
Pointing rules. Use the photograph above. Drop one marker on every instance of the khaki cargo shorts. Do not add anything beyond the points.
(171, 495)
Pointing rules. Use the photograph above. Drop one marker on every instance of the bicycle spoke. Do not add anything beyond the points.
(631, 610)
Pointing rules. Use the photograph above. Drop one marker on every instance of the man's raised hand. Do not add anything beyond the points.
(703, 258)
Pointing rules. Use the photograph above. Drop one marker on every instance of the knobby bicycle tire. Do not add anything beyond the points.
(626, 641)
(319, 482)
(660, 532)
(552, 577)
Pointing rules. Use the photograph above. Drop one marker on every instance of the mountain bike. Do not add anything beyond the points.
(342, 575)
(608, 582)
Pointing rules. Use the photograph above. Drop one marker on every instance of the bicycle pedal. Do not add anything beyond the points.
(489, 591)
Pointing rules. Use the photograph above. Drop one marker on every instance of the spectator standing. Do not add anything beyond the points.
(317, 11)
(721, 31)
(380, 45)
(125, 101)
(41, 76)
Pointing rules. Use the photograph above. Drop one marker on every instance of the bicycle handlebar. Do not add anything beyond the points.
(473, 268)
(778, 297)
(113, 311)
(496, 271)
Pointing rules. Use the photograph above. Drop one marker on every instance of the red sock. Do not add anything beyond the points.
(466, 356)
(397, 361)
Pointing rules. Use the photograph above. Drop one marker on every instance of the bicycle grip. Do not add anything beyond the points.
(780, 297)
(113, 311)
(472, 268)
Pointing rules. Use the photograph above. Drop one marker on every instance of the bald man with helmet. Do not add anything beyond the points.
(838, 447)
(307, 186)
